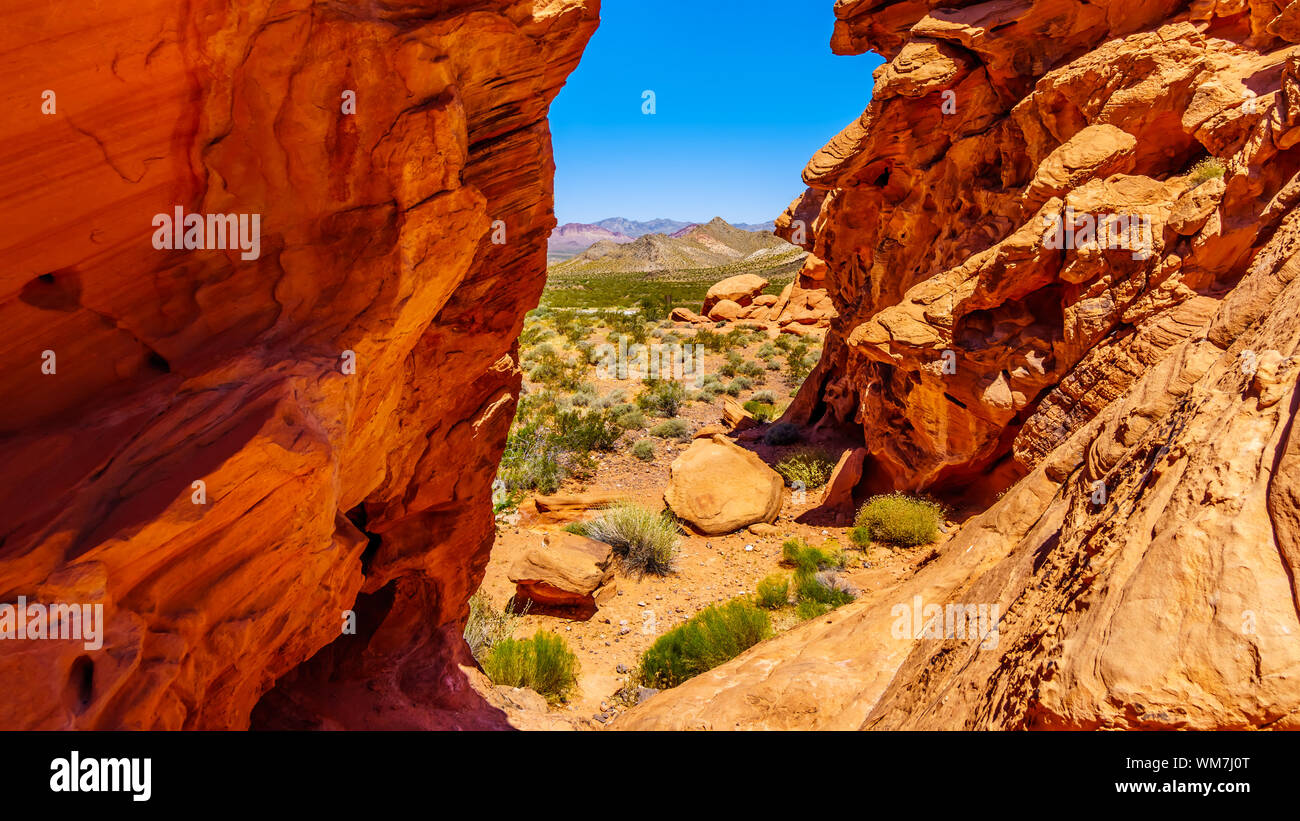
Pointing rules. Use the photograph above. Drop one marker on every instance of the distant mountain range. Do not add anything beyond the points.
(713, 244)
(574, 237)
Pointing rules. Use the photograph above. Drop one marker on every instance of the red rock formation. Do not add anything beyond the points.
(408, 238)
(1136, 408)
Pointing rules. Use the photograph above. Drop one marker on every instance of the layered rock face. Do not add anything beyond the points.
(235, 453)
(1129, 389)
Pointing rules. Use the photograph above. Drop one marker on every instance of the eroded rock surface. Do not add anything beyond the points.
(342, 398)
(1133, 392)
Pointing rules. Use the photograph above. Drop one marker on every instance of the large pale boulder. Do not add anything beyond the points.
(726, 311)
(718, 487)
(740, 289)
(566, 572)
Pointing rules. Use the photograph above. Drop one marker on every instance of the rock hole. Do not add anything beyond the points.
(57, 291)
(357, 516)
(81, 684)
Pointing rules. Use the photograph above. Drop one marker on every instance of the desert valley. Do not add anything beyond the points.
(991, 428)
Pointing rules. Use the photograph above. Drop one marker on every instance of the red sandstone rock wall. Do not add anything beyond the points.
(1167, 383)
(325, 491)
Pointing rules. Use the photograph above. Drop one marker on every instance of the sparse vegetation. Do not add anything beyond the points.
(543, 663)
(711, 637)
(672, 429)
(806, 558)
(818, 587)
(1207, 169)
(899, 519)
(761, 411)
(645, 540)
(663, 398)
(644, 450)
(810, 466)
(487, 626)
(773, 592)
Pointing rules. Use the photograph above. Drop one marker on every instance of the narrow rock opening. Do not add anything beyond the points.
(81, 684)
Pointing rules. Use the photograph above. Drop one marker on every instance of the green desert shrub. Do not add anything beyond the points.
(738, 386)
(672, 429)
(811, 609)
(531, 460)
(486, 625)
(629, 417)
(582, 432)
(644, 450)
(806, 558)
(767, 351)
(773, 592)
(733, 363)
(711, 637)
(1207, 169)
(613, 399)
(555, 371)
(645, 540)
(750, 369)
(824, 587)
(811, 466)
(860, 536)
(900, 519)
(799, 363)
(543, 663)
(761, 411)
(663, 398)
(782, 433)
(766, 397)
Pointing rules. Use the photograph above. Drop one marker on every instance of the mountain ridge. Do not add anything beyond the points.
(693, 246)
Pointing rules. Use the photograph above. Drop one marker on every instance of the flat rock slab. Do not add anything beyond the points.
(566, 575)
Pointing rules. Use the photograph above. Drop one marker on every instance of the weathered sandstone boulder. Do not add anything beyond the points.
(680, 314)
(740, 289)
(719, 487)
(725, 311)
(567, 573)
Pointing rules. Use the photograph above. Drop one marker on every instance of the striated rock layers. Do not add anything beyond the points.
(1131, 388)
(237, 455)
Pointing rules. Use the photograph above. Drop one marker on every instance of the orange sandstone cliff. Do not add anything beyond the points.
(238, 457)
(1120, 406)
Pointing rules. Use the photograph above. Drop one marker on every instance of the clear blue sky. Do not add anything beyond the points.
(745, 93)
